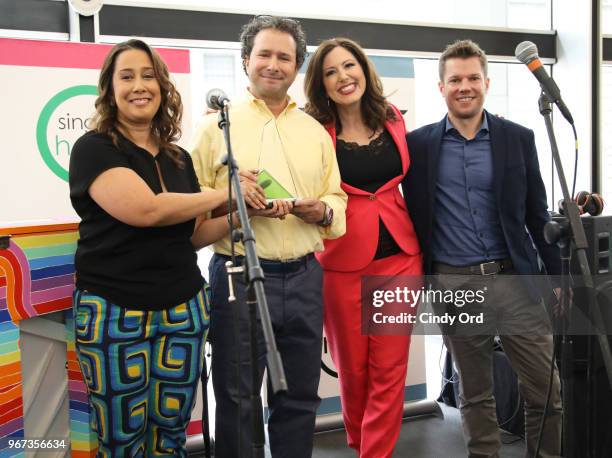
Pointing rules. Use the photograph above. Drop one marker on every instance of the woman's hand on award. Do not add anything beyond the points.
(254, 195)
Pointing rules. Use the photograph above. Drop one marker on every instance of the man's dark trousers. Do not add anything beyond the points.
(295, 305)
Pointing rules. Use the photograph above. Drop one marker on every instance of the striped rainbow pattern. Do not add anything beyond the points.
(11, 390)
(37, 277)
(38, 272)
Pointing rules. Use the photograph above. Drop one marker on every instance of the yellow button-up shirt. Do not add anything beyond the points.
(296, 150)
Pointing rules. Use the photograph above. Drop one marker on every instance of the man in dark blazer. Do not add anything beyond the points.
(476, 197)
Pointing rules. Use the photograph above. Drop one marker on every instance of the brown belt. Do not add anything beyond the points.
(486, 268)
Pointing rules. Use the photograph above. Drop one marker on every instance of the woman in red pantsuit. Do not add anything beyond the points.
(345, 95)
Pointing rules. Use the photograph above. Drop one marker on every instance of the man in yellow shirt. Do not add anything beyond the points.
(269, 131)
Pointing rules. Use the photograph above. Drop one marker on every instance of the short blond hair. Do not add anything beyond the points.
(462, 49)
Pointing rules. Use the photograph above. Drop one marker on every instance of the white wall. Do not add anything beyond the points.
(572, 20)
(526, 14)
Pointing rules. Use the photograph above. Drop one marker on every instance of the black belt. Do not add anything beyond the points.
(486, 268)
(270, 266)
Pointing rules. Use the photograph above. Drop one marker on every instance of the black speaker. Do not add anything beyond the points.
(592, 393)
(598, 230)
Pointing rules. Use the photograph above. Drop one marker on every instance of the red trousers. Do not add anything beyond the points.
(371, 368)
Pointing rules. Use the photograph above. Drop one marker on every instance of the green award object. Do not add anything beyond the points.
(272, 188)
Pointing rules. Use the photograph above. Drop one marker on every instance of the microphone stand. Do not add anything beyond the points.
(570, 236)
(256, 297)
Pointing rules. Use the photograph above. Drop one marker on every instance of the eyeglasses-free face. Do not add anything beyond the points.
(343, 77)
(136, 90)
(271, 66)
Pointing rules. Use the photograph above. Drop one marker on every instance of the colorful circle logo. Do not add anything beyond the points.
(64, 123)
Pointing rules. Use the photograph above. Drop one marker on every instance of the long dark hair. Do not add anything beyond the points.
(374, 107)
(166, 124)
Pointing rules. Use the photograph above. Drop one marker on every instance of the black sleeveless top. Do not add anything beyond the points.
(368, 167)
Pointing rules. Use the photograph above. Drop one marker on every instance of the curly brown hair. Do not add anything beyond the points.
(374, 107)
(282, 24)
(166, 124)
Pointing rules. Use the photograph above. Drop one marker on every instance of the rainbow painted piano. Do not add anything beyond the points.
(37, 278)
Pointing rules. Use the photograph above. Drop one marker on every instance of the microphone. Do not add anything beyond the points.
(527, 53)
(216, 99)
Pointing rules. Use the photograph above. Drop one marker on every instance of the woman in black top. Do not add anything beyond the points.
(141, 311)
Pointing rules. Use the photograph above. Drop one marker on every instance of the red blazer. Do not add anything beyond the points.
(356, 248)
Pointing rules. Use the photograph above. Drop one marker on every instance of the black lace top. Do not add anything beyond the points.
(368, 167)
